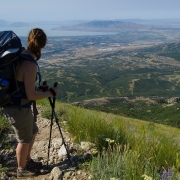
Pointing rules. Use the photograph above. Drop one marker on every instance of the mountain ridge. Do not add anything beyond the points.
(106, 26)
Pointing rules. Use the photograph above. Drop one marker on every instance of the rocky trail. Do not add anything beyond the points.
(59, 166)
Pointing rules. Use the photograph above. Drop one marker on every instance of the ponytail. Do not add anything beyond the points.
(36, 41)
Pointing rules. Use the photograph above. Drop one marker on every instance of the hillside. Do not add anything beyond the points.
(171, 49)
(163, 47)
(104, 26)
(19, 24)
(87, 129)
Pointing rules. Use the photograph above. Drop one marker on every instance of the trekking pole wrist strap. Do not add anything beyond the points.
(52, 91)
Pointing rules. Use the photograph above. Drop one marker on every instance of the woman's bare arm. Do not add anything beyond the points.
(29, 77)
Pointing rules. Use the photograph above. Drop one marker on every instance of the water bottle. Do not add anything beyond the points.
(4, 85)
(4, 82)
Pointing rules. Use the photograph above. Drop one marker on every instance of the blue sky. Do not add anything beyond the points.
(60, 10)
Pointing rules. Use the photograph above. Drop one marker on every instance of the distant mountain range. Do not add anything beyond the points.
(105, 26)
(15, 24)
(39, 23)
(19, 24)
(101, 25)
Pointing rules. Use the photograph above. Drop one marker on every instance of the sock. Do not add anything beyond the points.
(20, 170)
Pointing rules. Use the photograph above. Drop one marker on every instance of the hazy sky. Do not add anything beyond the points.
(57, 10)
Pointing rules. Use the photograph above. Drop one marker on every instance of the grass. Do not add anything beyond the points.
(4, 128)
(129, 149)
(160, 112)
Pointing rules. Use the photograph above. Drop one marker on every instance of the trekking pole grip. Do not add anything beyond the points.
(55, 84)
(45, 83)
(52, 90)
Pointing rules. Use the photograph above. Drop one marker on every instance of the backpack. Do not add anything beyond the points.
(10, 57)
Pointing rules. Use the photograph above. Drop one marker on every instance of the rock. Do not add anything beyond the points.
(90, 177)
(67, 174)
(12, 138)
(62, 151)
(56, 143)
(56, 173)
(40, 145)
(50, 177)
(74, 178)
(86, 145)
(4, 176)
(79, 172)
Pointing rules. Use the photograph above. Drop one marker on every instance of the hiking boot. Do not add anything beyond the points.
(33, 165)
(21, 173)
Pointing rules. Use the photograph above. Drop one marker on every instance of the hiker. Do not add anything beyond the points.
(20, 114)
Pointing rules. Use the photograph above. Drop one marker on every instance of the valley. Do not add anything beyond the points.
(141, 66)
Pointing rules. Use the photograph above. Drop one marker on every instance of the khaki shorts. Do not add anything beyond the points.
(23, 123)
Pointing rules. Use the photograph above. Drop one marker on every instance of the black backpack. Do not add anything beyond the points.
(10, 57)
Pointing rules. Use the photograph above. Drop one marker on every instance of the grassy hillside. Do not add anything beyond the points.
(171, 50)
(158, 110)
(127, 148)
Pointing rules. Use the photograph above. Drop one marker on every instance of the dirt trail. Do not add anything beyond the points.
(40, 153)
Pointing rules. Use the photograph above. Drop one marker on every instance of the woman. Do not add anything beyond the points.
(20, 114)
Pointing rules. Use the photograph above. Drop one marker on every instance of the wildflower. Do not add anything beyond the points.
(109, 140)
(146, 177)
(164, 175)
(169, 173)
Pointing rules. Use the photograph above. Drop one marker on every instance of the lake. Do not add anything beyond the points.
(23, 31)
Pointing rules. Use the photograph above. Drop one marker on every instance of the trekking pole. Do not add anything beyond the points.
(49, 145)
(57, 122)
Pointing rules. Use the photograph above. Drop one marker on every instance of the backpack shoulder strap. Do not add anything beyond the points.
(29, 58)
